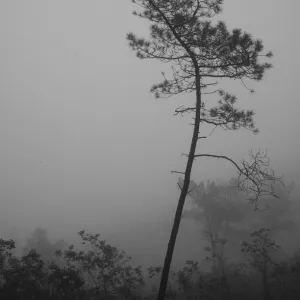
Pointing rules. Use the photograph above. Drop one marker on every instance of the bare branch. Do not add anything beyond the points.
(209, 93)
(188, 192)
(176, 172)
(255, 179)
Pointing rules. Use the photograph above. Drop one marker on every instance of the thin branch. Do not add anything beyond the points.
(254, 179)
(181, 110)
(209, 93)
(220, 156)
(176, 172)
(188, 192)
(251, 90)
(212, 131)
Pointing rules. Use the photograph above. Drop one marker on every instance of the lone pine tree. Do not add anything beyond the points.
(201, 53)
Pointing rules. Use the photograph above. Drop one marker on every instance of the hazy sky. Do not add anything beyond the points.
(83, 142)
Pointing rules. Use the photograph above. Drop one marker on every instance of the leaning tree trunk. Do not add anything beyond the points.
(183, 194)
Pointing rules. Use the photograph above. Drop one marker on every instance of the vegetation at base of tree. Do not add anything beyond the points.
(262, 270)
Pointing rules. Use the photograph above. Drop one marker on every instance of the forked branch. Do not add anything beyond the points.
(255, 179)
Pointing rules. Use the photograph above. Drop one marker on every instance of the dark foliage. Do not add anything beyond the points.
(260, 275)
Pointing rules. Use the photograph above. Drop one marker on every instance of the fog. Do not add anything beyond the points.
(84, 145)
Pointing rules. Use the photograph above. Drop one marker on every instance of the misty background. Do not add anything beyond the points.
(84, 145)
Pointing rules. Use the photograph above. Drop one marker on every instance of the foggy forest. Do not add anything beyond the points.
(149, 150)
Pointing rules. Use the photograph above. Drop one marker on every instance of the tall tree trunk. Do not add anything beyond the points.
(183, 194)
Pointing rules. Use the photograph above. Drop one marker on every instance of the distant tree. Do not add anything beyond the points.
(261, 249)
(225, 214)
(106, 265)
(25, 276)
(65, 281)
(180, 281)
(201, 53)
(40, 242)
(172, 288)
(6, 248)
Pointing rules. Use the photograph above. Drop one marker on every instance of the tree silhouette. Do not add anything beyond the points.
(201, 53)
(25, 276)
(107, 266)
(225, 214)
(40, 242)
(260, 249)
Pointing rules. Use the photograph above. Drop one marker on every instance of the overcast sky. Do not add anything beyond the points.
(83, 142)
